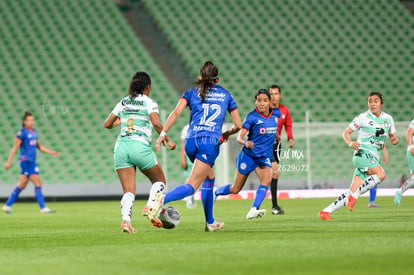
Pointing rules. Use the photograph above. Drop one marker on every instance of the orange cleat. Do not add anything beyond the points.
(127, 228)
(326, 216)
(351, 202)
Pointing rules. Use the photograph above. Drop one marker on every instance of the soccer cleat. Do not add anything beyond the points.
(397, 198)
(255, 213)
(326, 216)
(145, 211)
(373, 205)
(46, 210)
(7, 209)
(214, 226)
(153, 212)
(127, 228)
(277, 211)
(351, 202)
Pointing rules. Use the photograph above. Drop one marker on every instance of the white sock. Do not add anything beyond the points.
(127, 202)
(156, 187)
(338, 203)
(368, 184)
(407, 184)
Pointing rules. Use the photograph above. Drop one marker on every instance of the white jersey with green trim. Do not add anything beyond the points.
(373, 130)
(135, 121)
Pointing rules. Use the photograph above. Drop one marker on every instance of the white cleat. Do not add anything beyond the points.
(255, 213)
(152, 213)
(7, 209)
(46, 210)
(214, 226)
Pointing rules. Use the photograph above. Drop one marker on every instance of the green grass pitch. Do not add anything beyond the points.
(84, 238)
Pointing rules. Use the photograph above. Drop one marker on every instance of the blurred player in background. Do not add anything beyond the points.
(373, 191)
(261, 126)
(286, 121)
(373, 126)
(28, 142)
(209, 104)
(137, 114)
(410, 157)
(186, 164)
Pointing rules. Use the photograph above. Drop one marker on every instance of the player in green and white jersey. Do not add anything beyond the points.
(137, 114)
(373, 126)
(410, 157)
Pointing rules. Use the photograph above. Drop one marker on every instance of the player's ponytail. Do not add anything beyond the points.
(208, 76)
(25, 115)
(140, 80)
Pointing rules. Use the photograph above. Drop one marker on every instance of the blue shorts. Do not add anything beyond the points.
(247, 164)
(28, 168)
(205, 149)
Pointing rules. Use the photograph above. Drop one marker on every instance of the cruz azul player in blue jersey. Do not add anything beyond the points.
(260, 125)
(27, 140)
(208, 104)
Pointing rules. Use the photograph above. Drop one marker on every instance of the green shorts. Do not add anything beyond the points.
(410, 159)
(134, 153)
(363, 160)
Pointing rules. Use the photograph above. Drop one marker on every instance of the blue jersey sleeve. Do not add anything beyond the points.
(248, 122)
(21, 134)
(187, 95)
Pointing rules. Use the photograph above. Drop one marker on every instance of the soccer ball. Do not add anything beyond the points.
(170, 217)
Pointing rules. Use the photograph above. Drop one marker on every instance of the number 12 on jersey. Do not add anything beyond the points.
(211, 112)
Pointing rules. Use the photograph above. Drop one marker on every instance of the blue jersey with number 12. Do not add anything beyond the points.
(207, 117)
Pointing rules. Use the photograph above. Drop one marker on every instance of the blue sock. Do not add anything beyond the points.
(372, 194)
(223, 190)
(207, 198)
(39, 197)
(260, 195)
(13, 196)
(179, 193)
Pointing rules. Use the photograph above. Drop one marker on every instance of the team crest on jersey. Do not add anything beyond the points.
(276, 119)
(262, 131)
(283, 116)
(243, 165)
(385, 124)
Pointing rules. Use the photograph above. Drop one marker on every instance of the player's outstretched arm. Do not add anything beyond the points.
(241, 138)
(409, 139)
(112, 121)
(155, 121)
(13, 151)
(182, 103)
(46, 150)
(346, 135)
(237, 124)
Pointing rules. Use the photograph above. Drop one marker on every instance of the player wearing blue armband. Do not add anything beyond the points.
(256, 153)
(137, 114)
(28, 142)
(208, 104)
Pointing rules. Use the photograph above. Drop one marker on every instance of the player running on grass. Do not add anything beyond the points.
(27, 140)
(260, 125)
(286, 121)
(137, 114)
(410, 157)
(373, 126)
(208, 104)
